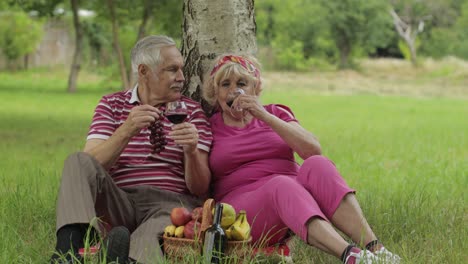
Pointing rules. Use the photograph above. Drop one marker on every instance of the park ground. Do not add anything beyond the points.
(398, 134)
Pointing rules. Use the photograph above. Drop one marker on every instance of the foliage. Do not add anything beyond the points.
(40, 8)
(19, 33)
(448, 38)
(440, 35)
(404, 49)
(461, 49)
(293, 39)
(357, 23)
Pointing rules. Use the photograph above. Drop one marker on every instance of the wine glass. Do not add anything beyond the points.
(238, 91)
(176, 112)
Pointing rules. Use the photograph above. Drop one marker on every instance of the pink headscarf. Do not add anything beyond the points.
(245, 63)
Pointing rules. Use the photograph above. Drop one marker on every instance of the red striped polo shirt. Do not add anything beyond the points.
(138, 165)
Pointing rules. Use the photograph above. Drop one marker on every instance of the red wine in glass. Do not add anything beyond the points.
(176, 112)
(176, 118)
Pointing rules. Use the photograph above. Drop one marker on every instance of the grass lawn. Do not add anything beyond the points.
(405, 152)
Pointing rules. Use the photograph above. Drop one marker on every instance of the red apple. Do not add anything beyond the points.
(197, 214)
(192, 229)
(180, 216)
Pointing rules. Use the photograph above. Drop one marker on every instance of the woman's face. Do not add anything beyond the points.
(227, 90)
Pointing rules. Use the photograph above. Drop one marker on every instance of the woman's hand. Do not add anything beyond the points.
(251, 104)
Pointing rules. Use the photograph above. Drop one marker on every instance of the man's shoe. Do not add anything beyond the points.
(65, 259)
(116, 245)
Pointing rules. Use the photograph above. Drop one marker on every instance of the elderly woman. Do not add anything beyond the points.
(253, 166)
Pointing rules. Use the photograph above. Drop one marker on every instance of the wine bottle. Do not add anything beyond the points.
(214, 242)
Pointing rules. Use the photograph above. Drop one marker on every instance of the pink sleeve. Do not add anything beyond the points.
(103, 124)
(283, 112)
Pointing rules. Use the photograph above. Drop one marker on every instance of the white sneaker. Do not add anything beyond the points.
(387, 257)
(362, 257)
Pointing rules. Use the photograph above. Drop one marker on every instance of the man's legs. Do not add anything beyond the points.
(87, 192)
(153, 213)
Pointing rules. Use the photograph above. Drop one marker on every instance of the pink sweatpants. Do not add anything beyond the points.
(288, 202)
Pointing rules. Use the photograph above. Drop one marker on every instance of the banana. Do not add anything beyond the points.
(241, 227)
(179, 231)
(228, 233)
(169, 231)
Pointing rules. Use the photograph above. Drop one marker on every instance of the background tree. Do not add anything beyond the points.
(441, 36)
(426, 24)
(210, 28)
(116, 44)
(357, 24)
(76, 63)
(20, 35)
(292, 42)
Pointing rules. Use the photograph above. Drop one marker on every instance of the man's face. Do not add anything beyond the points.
(167, 80)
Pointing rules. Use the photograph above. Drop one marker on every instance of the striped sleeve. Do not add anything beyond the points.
(199, 119)
(283, 112)
(103, 124)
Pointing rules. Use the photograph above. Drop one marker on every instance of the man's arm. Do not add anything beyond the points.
(197, 171)
(107, 151)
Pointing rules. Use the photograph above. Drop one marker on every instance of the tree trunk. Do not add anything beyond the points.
(344, 55)
(26, 61)
(76, 63)
(116, 44)
(406, 32)
(210, 28)
(147, 12)
(344, 49)
(412, 48)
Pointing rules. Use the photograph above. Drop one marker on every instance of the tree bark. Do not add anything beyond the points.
(116, 44)
(407, 33)
(147, 12)
(210, 28)
(76, 63)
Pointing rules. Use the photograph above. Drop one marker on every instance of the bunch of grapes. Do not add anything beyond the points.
(157, 138)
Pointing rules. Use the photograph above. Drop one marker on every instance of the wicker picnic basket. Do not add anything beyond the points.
(178, 248)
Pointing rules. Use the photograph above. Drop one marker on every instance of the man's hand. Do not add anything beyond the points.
(185, 135)
(140, 117)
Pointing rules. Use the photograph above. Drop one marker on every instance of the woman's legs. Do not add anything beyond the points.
(283, 203)
(350, 220)
(323, 236)
(278, 204)
(323, 181)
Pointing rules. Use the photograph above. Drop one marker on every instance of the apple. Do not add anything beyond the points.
(180, 216)
(197, 214)
(192, 229)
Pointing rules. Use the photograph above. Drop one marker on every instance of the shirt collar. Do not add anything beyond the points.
(134, 97)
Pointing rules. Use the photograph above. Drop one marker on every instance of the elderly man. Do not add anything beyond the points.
(136, 165)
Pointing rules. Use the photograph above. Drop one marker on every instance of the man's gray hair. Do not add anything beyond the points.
(148, 51)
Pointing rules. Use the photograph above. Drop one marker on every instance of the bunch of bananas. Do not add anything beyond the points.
(240, 229)
(173, 231)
